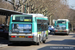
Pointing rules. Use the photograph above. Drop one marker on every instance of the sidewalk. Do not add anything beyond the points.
(3, 42)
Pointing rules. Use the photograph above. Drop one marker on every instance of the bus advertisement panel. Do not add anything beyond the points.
(21, 28)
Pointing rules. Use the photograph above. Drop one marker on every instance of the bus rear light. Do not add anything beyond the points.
(56, 30)
(13, 36)
(65, 31)
(30, 36)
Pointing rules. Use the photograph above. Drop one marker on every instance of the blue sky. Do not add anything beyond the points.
(71, 3)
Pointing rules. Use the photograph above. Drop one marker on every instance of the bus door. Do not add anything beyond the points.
(39, 30)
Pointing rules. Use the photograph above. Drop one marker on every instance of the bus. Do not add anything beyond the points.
(28, 28)
(62, 26)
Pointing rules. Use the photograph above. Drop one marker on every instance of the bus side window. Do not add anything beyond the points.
(39, 27)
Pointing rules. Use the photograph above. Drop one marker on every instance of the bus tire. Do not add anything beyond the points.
(44, 41)
(46, 37)
(38, 43)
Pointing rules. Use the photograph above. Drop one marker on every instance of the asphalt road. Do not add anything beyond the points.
(54, 42)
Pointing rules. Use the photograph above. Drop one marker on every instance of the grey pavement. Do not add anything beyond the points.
(54, 42)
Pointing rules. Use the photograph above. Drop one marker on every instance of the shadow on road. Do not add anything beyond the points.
(20, 44)
(57, 48)
(6, 42)
(73, 34)
(65, 42)
(52, 33)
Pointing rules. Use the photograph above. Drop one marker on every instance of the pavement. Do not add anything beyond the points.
(54, 42)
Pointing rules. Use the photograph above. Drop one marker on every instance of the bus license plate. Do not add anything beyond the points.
(21, 36)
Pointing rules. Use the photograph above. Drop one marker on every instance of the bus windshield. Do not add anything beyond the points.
(61, 22)
(21, 19)
(22, 28)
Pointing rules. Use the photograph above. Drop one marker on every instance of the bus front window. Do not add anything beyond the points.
(61, 22)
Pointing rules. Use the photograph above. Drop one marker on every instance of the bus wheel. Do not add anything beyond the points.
(44, 41)
(46, 37)
(38, 43)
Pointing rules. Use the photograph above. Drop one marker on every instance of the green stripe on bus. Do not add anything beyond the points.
(47, 32)
(39, 32)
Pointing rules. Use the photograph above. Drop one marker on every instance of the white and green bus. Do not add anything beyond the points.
(62, 26)
(28, 28)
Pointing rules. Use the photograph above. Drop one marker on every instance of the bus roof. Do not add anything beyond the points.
(34, 15)
(64, 19)
(37, 15)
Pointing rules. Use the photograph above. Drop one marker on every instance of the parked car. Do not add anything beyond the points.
(3, 32)
(51, 28)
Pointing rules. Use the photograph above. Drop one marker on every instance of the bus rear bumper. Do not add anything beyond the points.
(61, 32)
(17, 39)
(20, 39)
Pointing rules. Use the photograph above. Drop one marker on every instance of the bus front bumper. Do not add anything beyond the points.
(61, 32)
